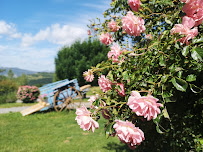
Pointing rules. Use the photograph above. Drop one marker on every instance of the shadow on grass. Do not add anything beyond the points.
(53, 110)
(118, 147)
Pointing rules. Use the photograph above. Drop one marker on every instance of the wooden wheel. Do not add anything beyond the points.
(70, 98)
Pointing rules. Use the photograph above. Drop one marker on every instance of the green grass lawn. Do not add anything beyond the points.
(94, 90)
(52, 132)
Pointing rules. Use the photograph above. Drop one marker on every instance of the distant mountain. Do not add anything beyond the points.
(17, 72)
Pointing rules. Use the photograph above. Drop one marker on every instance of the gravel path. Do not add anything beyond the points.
(18, 109)
(13, 109)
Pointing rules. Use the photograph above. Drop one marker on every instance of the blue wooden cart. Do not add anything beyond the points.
(60, 95)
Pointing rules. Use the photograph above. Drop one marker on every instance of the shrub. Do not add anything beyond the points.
(8, 89)
(154, 80)
(28, 94)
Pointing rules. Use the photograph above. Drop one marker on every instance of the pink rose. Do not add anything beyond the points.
(194, 9)
(92, 99)
(134, 4)
(198, 17)
(113, 26)
(132, 24)
(106, 38)
(88, 75)
(193, 6)
(104, 83)
(114, 53)
(185, 29)
(89, 32)
(121, 89)
(128, 133)
(146, 106)
(185, 1)
(84, 119)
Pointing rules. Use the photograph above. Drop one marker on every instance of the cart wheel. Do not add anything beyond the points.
(70, 98)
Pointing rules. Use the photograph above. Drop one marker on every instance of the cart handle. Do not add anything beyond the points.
(84, 87)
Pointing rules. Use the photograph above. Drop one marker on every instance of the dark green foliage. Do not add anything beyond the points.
(8, 89)
(72, 61)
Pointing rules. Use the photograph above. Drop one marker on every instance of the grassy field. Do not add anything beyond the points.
(94, 90)
(52, 132)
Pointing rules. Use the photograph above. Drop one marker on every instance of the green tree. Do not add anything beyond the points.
(22, 80)
(10, 74)
(72, 61)
(1, 76)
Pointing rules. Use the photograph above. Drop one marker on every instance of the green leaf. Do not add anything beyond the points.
(197, 53)
(168, 21)
(195, 89)
(164, 78)
(161, 61)
(172, 68)
(177, 46)
(200, 40)
(110, 75)
(125, 75)
(185, 50)
(165, 113)
(115, 112)
(108, 130)
(180, 84)
(108, 101)
(159, 130)
(180, 74)
(191, 78)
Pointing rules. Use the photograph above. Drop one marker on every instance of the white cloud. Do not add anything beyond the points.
(57, 34)
(35, 59)
(9, 30)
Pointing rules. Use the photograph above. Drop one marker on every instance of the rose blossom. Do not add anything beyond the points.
(88, 75)
(185, 29)
(134, 4)
(193, 6)
(128, 133)
(121, 89)
(114, 53)
(92, 99)
(106, 38)
(198, 17)
(113, 26)
(104, 83)
(194, 9)
(146, 106)
(185, 1)
(89, 32)
(84, 119)
(132, 24)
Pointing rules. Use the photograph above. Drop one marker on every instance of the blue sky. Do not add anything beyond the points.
(33, 31)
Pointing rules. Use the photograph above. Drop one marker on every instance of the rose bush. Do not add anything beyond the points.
(154, 78)
(28, 94)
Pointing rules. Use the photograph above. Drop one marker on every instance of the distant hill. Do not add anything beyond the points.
(17, 72)
(34, 78)
(40, 78)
